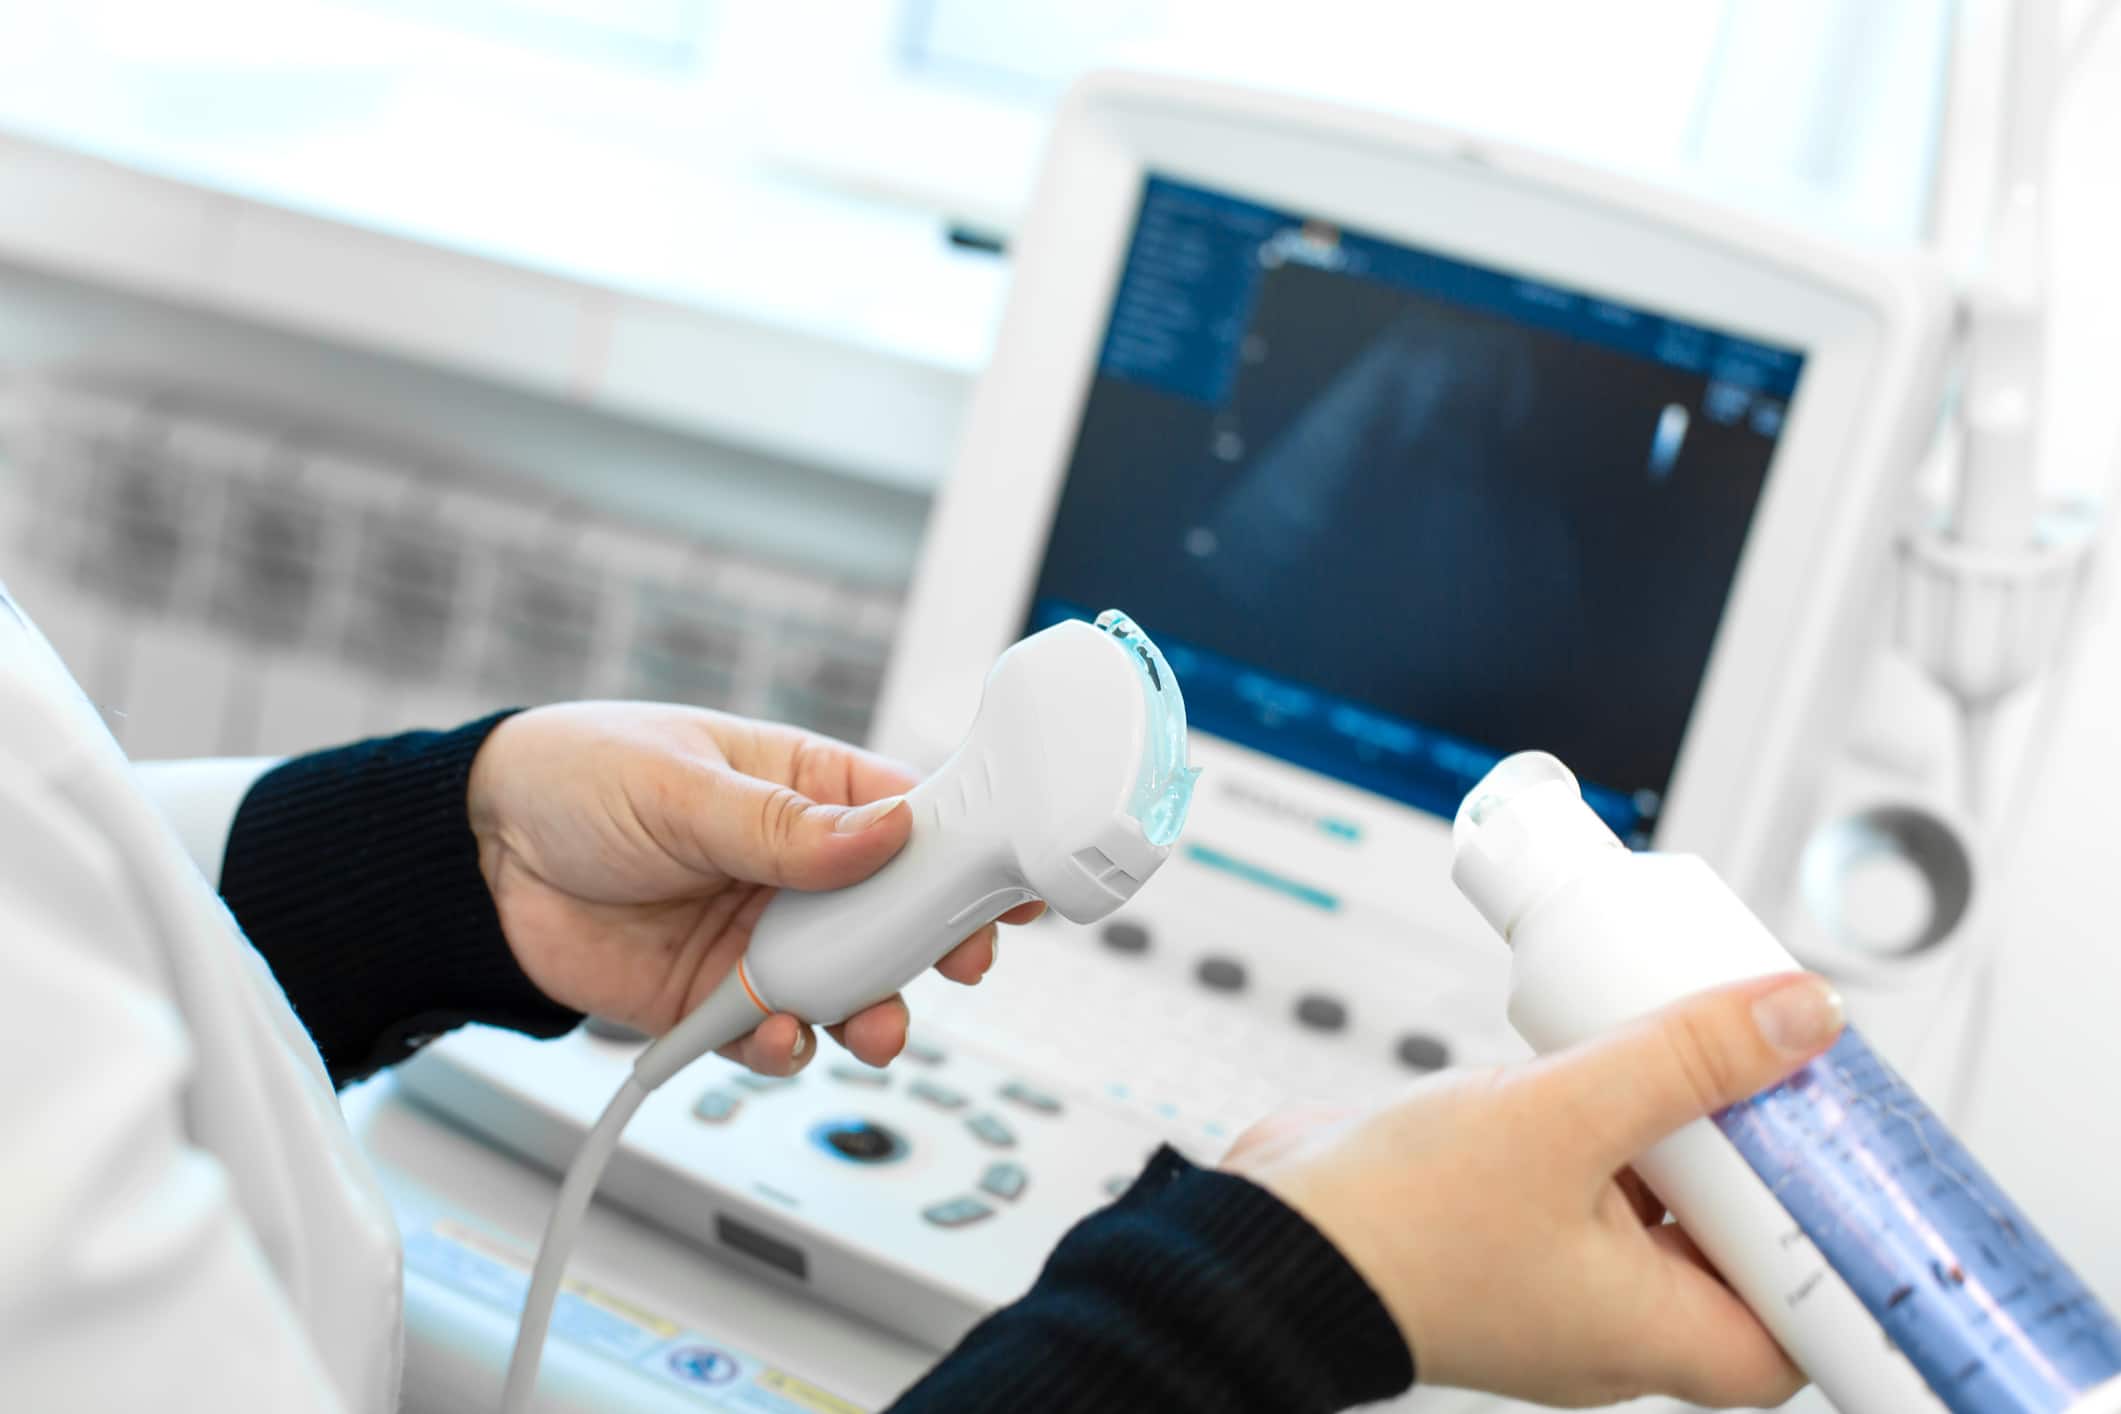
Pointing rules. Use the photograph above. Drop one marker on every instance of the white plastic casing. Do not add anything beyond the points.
(1034, 804)
(1600, 937)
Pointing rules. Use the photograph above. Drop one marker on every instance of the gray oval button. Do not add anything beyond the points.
(991, 1131)
(940, 1096)
(1005, 1180)
(1418, 1051)
(1221, 974)
(1031, 1097)
(1322, 1013)
(957, 1212)
(926, 1052)
(855, 1073)
(1125, 937)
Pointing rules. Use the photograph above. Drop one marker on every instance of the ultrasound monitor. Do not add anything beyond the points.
(1395, 515)
(1412, 452)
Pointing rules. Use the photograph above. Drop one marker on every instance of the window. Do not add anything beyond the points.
(1823, 112)
(644, 141)
(655, 36)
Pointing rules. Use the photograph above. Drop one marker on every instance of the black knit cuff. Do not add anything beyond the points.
(356, 875)
(1195, 1293)
(1318, 1328)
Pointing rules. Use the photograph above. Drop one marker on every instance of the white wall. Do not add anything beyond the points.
(2047, 1115)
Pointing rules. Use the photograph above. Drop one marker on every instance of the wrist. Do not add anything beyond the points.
(1323, 1200)
(1240, 1244)
(398, 936)
(1296, 1157)
(496, 770)
(483, 787)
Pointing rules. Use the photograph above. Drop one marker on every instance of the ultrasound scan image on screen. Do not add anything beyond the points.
(1394, 516)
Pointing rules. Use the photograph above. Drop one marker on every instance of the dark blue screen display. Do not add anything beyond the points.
(1393, 516)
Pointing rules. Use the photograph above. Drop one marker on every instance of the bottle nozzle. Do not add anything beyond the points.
(1523, 830)
(1510, 777)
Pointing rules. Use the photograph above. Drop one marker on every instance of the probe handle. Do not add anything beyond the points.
(1040, 802)
(825, 956)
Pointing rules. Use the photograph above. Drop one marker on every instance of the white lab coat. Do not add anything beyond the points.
(185, 1222)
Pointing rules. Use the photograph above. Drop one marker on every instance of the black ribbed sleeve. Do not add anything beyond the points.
(1196, 1293)
(355, 874)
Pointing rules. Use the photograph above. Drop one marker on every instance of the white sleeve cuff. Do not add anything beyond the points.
(200, 800)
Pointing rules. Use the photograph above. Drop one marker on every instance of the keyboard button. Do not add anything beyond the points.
(866, 1076)
(926, 1052)
(1322, 1013)
(762, 1084)
(1004, 1180)
(1221, 974)
(1417, 1051)
(989, 1129)
(860, 1140)
(957, 1212)
(1018, 1092)
(940, 1096)
(716, 1107)
(1122, 936)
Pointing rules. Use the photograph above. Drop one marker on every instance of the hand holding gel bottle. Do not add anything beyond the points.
(1890, 1267)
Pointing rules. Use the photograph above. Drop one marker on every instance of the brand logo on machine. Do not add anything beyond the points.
(1314, 243)
(1288, 809)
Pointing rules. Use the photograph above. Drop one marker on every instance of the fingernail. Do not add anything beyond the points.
(862, 817)
(1800, 1016)
(802, 1044)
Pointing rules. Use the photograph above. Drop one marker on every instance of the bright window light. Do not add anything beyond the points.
(1824, 112)
(748, 145)
(665, 35)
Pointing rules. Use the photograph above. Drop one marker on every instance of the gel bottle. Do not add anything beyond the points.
(1890, 1267)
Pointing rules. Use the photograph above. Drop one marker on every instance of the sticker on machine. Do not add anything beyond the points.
(721, 1377)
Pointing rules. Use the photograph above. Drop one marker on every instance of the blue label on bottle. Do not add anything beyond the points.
(1992, 1318)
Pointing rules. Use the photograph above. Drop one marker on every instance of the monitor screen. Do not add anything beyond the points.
(1393, 516)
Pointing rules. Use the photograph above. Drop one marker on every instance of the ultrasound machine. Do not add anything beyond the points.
(1410, 452)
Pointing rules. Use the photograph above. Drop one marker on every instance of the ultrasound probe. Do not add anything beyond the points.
(1069, 788)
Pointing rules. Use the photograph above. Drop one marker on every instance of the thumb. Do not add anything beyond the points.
(1694, 1058)
(766, 833)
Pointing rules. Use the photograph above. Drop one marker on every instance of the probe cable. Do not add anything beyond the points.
(560, 1231)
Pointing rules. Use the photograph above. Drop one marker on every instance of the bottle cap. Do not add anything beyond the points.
(1520, 834)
